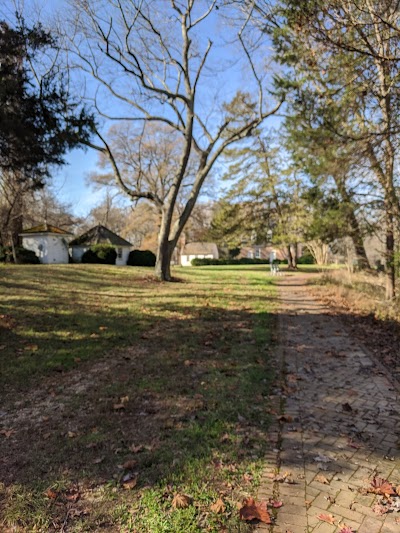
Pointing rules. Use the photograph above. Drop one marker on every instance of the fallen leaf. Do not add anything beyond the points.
(327, 518)
(347, 407)
(218, 507)
(181, 501)
(71, 434)
(7, 432)
(136, 449)
(103, 328)
(346, 529)
(31, 348)
(128, 465)
(380, 509)
(353, 444)
(51, 494)
(118, 406)
(252, 510)
(72, 495)
(98, 460)
(322, 479)
(285, 418)
(398, 490)
(276, 504)
(322, 459)
(381, 486)
(130, 483)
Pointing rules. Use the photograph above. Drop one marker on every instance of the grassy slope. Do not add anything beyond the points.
(163, 384)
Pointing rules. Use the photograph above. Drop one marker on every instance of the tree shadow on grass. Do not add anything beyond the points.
(186, 404)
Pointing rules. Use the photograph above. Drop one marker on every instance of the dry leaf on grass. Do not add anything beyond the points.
(181, 501)
(128, 465)
(72, 495)
(7, 432)
(129, 482)
(330, 519)
(51, 494)
(252, 510)
(218, 507)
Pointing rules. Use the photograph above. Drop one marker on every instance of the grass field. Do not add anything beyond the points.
(129, 405)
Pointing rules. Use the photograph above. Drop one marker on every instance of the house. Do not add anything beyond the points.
(200, 250)
(48, 242)
(100, 235)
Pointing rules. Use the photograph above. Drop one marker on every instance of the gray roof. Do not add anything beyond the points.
(99, 235)
(200, 248)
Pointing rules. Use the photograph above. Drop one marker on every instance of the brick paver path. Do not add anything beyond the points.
(341, 429)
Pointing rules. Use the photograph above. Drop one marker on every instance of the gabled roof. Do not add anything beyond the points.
(200, 248)
(99, 235)
(45, 228)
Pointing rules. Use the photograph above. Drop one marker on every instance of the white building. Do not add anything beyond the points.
(100, 235)
(200, 250)
(49, 243)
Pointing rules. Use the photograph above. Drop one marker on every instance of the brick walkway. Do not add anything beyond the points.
(341, 426)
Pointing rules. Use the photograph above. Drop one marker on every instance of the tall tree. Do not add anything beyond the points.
(39, 123)
(346, 53)
(165, 63)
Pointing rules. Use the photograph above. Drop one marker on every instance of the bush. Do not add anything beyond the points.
(144, 258)
(243, 261)
(102, 254)
(24, 256)
(306, 259)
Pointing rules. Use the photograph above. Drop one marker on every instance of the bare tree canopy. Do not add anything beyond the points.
(167, 64)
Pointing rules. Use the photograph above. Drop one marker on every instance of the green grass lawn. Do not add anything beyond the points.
(131, 405)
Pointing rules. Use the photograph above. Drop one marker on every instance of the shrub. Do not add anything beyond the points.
(24, 256)
(243, 261)
(144, 258)
(306, 259)
(103, 254)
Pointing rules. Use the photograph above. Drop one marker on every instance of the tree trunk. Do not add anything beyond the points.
(390, 266)
(164, 251)
(290, 257)
(355, 231)
(295, 256)
(163, 262)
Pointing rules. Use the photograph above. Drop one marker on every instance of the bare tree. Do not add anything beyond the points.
(153, 63)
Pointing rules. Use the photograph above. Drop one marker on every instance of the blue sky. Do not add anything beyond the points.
(70, 180)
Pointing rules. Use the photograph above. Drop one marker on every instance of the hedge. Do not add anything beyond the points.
(102, 254)
(144, 258)
(244, 261)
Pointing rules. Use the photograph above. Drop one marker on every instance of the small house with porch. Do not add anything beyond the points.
(100, 235)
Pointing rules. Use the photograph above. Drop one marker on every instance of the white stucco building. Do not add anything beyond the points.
(100, 235)
(200, 250)
(49, 243)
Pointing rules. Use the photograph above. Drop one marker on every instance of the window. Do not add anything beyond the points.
(119, 253)
(258, 253)
(250, 254)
